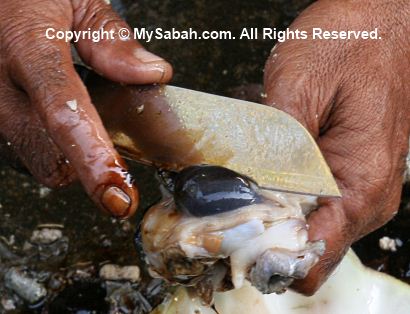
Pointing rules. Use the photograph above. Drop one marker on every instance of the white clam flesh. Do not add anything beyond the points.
(352, 289)
(265, 243)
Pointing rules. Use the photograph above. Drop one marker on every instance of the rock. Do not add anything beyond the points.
(44, 191)
(125, 298)
(116, 273)
(8, 304)
(389, 244)
(25, 287)
(46, 235)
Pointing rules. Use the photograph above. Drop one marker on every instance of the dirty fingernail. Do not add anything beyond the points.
(116, 201)
(146, 56)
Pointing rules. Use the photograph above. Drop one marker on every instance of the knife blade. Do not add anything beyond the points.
(172, 127)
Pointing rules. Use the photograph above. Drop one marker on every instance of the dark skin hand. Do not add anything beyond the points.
(353, 96)
(46, 114)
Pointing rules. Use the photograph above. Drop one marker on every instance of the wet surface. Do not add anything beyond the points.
(133, 123)
(68, 266)
(209, 190)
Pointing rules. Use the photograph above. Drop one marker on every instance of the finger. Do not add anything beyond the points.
(368, 170)
(26, 138)
(370, 199)
(119, 60)
(56, 91)
(330, 224)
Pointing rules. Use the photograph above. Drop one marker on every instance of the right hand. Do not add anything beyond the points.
(353, 96)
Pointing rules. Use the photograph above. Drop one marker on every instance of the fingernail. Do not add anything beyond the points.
(146, 56)
(116, 201)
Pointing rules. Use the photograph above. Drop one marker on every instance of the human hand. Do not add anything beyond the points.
(353, 97)
(46, 114)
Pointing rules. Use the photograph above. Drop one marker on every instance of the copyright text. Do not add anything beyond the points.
(247, 33)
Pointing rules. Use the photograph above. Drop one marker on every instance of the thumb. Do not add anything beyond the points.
(119, 59)
(328, 223)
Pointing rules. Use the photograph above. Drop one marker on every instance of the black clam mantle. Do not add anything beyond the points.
(208, 190)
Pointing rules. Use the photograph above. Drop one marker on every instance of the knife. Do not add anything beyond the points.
(172, 128)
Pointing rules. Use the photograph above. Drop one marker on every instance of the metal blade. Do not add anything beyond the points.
(173, 127)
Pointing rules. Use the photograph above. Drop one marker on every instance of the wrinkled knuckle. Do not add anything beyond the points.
(38, 154)
(37, 63)
(60, 175)
(18, 37)
(95, 14)
(42, 74)
(329, 262)
(46, 89)
(16, 138)
(46, 163)
(18, 16)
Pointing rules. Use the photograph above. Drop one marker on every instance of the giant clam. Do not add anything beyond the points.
(218, 228)
(352, 289)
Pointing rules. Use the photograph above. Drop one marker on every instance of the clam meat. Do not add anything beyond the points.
(215, 228)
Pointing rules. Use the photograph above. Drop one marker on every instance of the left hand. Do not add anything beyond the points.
(46, 114)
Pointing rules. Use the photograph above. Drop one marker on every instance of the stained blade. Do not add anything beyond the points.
(173, 127)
